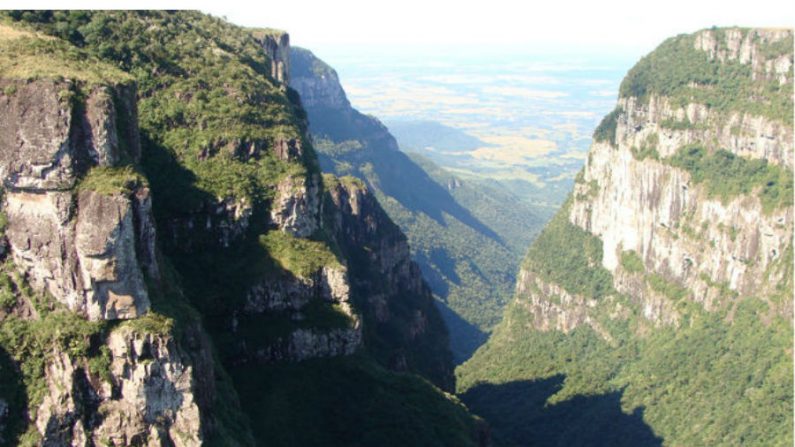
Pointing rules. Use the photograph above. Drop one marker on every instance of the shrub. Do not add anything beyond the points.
(726, 175)
(606, 130)
(631, 262)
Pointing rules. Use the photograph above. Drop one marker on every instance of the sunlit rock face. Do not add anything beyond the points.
(713, 247)
(150, 399)
(88, 249)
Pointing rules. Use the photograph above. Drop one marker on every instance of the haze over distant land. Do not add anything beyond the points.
(516, 116)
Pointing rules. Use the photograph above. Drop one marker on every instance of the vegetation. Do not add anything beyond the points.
(631, 262)
(705, 382)
(567, 255)
(673, 124)
(726, 176)
(693, 384)
(648, 149)
(350, 402)
(205, 88)
(472, 274)
(593, 188)
(210, 115)
(678, 70)
(26, 346)
(27, 55)
(606, 130)
(110, 181)
(670, 289)
(302, 257)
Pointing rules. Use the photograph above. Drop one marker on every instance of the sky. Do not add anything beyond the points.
(559, 23)
(601, 25)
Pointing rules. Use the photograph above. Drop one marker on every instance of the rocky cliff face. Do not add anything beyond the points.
(80, 230)
(405, 328)
(133, 220)
(317, 83)
(148, 400)
(276, 45)
(81, 247)
(638, 200)
(467, 256)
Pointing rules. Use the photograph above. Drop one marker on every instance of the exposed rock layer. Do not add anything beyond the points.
(716, 249)
(83, 248)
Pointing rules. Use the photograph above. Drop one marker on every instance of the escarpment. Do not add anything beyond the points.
(660, 188)
(404, 326)
(688, 191)
(669, 268)
(169, 243)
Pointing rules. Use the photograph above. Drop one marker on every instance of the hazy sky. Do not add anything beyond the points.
(633, 25)
(621, 23)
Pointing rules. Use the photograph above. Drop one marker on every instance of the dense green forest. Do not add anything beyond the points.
(703, 383)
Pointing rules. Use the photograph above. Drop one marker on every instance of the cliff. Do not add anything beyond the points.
(661, 187)
(79, 249)
(466, 238)
(170, 243)
(276, 45)
(669, 269)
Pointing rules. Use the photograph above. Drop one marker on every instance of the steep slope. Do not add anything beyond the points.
(291, 274)
(656, 307)
(88, 354)
(467, 239)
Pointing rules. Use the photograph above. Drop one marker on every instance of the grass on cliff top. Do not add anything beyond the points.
(205, 91)
(330, 181)
(260, 33)
(302, 257)
(26, 55)
(109, 181)
(678, 70)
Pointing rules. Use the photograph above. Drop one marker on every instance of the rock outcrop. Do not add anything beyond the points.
(323, 91)
(296, 208)
(388, 288)
(276, 44)
(146, 396)
(81, 247)
(87, 239)
(637, 201)
(744, 46)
